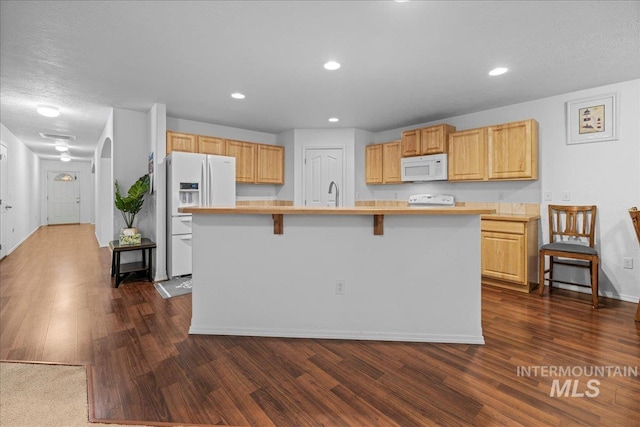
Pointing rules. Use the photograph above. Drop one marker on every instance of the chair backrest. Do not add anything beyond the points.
(572, 223)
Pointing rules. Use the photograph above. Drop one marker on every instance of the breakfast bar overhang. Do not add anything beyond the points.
(393, 274)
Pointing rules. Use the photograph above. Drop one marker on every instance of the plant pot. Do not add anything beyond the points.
(130, 236)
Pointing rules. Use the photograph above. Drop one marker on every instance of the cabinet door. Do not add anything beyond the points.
(513, 150)
(411, 143)
(467, 155)
(245, 154)
(270, 164)
(373, 164)
(434, 139)
(503, 256)
(391, 167)
(211, 145)
(181, 142)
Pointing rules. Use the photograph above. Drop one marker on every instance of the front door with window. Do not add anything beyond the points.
(63, 198)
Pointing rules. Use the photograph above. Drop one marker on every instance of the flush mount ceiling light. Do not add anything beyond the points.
(65, 157)
(498, 71)
(331, 66)
(48, 111)
(62, 146)
(334, 119)
(237, 95)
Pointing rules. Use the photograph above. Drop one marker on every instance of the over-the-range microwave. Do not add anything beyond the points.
(425, 168)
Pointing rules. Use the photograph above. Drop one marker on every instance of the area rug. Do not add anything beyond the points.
(174, 287)
(44, 395)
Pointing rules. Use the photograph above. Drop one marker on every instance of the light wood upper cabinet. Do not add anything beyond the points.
(245, 154)
(211, 145)
(383, 163)
(373, 164)
(429, 140)
(411, 143)
(435, 139)
(513, 150)
(270, 162)
(467, 155)
(391, 158)
(510, 252)
(181, 142)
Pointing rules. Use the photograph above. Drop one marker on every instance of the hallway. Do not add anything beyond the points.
(57, 304)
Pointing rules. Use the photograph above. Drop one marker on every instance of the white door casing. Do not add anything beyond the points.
(63, 198)
(321, 166)
(5, 206)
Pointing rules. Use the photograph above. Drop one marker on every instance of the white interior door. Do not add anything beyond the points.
(321, 166)
(4, 201)
(63, 198)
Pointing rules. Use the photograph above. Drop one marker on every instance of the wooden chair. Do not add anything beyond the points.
(569, 227)
(635, 218)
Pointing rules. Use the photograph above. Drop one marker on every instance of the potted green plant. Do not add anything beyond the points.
(129, 206)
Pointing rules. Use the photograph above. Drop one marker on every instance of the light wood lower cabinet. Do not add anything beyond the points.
(510, 251)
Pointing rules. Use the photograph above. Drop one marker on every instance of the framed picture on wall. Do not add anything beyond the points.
(592, 119)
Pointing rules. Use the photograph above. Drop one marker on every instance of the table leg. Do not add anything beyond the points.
(113, 263)
(118, 269)
(150, 270)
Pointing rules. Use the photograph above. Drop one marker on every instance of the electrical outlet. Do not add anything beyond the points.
(548, 196)
(340, 285)
(627, 263)
(501, 195)
(566, 196)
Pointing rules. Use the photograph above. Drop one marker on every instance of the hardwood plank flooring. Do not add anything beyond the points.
(58, 304)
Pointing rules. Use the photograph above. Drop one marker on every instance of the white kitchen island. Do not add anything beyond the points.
(408, 274)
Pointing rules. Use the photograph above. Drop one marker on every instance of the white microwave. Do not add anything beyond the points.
(425, 168)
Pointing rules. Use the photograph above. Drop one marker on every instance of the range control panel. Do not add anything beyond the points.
(432, 200)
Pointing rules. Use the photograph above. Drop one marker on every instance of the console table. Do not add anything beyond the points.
(120, 271)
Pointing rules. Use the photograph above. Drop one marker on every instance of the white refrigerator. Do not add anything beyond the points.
(194, 180)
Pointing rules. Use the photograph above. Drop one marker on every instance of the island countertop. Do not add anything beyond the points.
(304, 210)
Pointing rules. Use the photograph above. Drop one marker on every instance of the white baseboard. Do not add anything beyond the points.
(346, 335)
(17, 245)
(607, 294)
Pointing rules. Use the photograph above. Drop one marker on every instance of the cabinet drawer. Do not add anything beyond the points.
(502, 226)
(181, 224)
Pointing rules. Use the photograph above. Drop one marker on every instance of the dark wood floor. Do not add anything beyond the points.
(57, 304)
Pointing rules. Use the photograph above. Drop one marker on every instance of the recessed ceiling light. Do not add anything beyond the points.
(237, 95)
(334, 119)
(62, 146)
(48, 111)
(331, 65)
(498, 71)
(65, 157)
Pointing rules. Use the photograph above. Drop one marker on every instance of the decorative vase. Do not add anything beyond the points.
(130, 236)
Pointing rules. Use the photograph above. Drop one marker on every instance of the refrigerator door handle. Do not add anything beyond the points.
(203, 184)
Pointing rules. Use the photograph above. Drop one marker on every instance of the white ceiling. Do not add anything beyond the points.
(402, 63)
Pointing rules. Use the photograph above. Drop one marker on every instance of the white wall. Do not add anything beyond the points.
(104, 204)
(157, 121)
(325, 138)
(24, 176)
(83, 172)
(606, 174)
(130, 162)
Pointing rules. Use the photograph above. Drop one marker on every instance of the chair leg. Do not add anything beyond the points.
(594, 282)
(550, 274)
(541, 274)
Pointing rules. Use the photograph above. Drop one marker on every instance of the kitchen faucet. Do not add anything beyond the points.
(333, 183)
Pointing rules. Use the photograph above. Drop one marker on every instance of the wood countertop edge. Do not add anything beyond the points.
(293, 210)
(511, 217)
